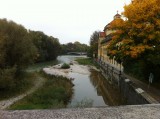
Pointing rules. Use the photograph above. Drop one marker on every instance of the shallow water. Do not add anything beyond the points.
(92, 89)
(84, 90)
(68, 58)
(96, 89)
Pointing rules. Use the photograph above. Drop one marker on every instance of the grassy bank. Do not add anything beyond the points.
(55, 93)
(86, 61)
(22, 84)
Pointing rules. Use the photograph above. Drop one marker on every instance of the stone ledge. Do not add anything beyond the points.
(139, 90)
(122, 112)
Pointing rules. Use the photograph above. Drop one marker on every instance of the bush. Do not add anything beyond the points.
(11, 85)
(7, 77)
(135, 68)
(65, 66)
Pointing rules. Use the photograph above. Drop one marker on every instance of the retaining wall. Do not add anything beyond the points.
(132, 94)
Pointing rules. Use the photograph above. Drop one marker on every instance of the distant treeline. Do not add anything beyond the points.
(74, 47)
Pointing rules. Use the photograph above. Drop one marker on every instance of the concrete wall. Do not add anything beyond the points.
(132, 94)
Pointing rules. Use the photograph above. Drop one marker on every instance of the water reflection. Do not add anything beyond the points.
(96, 88)
(84, 89)
(109, 92)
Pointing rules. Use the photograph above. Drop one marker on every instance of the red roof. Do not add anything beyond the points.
(102, 34)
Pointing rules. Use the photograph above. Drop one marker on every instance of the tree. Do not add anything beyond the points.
(15, 46)
(141, 31)
(16, 53)
(2, 50)
(137, 38)
(53, 48)
(48, 47)
(94, 43)
(74, 47)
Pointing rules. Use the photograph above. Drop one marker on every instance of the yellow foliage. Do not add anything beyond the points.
(115, 37)
(127, 41)
(137, 50)
(117, 23)
(141, 10)
(140, 31)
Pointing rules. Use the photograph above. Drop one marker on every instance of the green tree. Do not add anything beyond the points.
(18, 49)
(2, 50)
(16, 53)
(74, 47)
(94, 43)
(53, 48)
(48, 47)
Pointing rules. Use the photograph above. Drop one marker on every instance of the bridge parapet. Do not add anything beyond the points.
(121, 112)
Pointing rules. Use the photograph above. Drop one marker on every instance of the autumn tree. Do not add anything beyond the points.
(137, 39)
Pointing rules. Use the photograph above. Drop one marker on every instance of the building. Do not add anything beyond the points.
(103, 42)
(102, 36)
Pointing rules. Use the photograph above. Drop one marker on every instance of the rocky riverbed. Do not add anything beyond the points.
(74, 67)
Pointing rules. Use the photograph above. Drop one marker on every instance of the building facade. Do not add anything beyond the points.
(103, 42)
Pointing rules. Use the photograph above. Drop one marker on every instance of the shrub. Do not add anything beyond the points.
(7, 77)
(11, 85)
(65, 66)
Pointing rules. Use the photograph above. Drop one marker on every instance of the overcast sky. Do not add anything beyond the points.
(67, 20)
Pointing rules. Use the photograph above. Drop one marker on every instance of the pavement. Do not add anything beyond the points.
(122, 112)
(152, 91)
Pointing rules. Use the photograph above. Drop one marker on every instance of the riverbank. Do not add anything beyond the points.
(56, 74)
(37, 83)
(54, 93)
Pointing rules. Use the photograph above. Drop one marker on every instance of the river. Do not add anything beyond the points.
(92, 89)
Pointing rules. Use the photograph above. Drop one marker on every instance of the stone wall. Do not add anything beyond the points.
(121, 112)
(132, 94)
